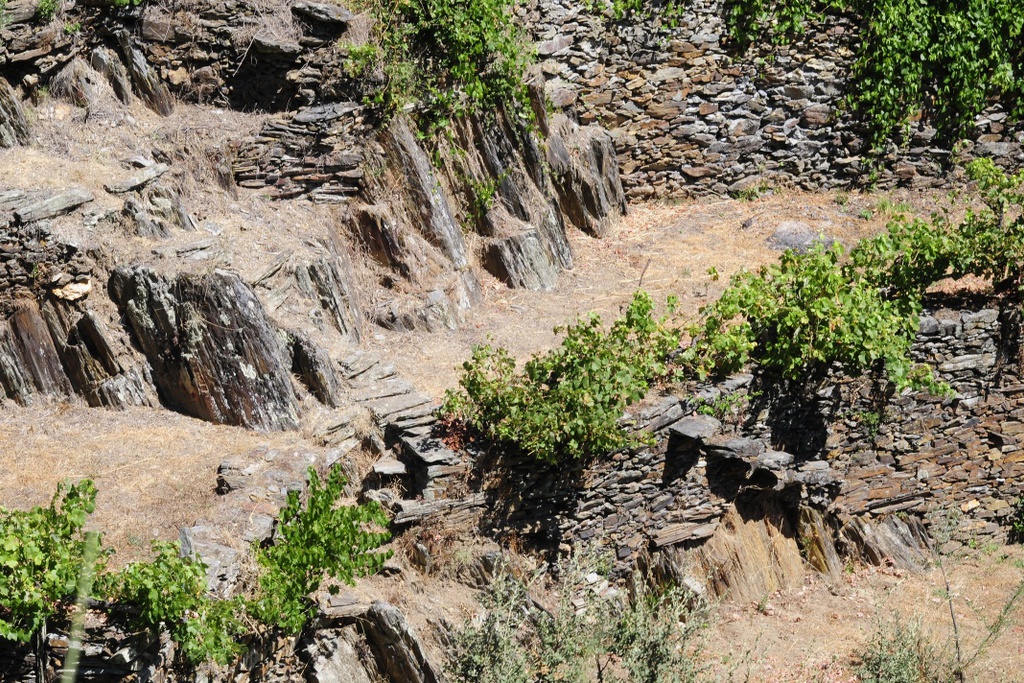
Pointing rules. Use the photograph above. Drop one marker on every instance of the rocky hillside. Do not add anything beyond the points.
(205, 212)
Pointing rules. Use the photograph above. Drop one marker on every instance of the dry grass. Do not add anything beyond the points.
(155, 470)
(811, 635)
(663, 248)
(272, 20)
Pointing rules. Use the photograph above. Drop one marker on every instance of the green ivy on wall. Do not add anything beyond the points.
(942, 59)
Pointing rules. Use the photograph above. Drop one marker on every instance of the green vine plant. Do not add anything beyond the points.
(797, 320)
(449, 57)
(860, 310)
(44, 554)
(315, 540)
(565, 404)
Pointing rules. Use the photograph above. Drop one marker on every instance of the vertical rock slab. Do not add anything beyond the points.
(334, 657)
(423, 196)
(213, 351)
(316, 288)
(29, 363)
(108, 65)
(752, 553)
(99, 368)
(313, 365)
(13, 126)
(332, 288)
(586, 175)
(521, 261)
(398, 650)
(147, 83)
(511, 155)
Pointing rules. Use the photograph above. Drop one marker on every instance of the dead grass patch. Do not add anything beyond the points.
(663, 248)
(155, 470)
(811, 634)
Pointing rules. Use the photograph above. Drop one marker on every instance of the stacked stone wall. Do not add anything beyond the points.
(848, 451)
(693, 115)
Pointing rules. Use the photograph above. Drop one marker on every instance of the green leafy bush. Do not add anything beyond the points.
(171, 591)
(454, 56)
(315, 540)
(41, 553)
(566, 403)
(809, 311)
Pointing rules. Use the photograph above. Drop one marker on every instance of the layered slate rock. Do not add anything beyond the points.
(13, 126)
(109, 65)
(312, 364)
(586, 174)
(398, 650)
(148, 85)
(319, 286)
(29, 364)
(96, 359)
(521, 261)
(214, 353)
(692, 115)
(51, 205)
(424, 198)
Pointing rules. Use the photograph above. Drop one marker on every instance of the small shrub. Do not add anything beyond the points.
(454, 56)
(898, 653)
(1017, 521)
(489, 650)
(652, 639)
(46, 9)
(171, 591)
(41, 553)
(566, 403)
(658, 635)
(315, 540)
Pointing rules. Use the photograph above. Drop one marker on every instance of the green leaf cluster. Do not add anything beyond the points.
(40, 558)
(43, 554)
(947, 58)
(171, 590)
(566, 403)
(822, 307)
(452, 56)
(46, 9)
(316, 540)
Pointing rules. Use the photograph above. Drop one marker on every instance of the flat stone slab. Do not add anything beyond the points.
(323, 12)
(385, 407)
(429, 450)
(391, 387)
(389, 467)
(677, 533)
(358, 363)
(146, 175)
(54, 205)
(696, 427)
